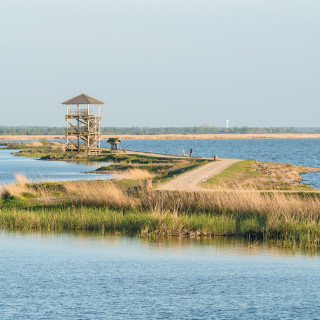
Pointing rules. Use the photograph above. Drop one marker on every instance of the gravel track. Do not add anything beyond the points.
(191, 180)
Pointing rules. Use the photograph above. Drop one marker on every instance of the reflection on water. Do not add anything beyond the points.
(226, 245)
(172, 245)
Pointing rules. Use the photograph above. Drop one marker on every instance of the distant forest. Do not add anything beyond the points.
(4, 130)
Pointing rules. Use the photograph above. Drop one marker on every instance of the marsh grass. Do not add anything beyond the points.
(33, 144)
(248, 174)
(97, 194)
(275, 215)
(106, 219)
(15, 189)
(24, 189)
(137, 174)
(292, 218)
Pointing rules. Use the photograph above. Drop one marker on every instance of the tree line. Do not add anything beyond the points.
(37, 130)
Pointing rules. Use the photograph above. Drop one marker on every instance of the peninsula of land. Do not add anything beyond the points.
(157, 195)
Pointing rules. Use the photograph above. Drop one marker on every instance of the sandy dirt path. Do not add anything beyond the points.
(191, 180)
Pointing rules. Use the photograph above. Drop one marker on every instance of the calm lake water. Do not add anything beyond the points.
(68, 276)
(295, 151)
(44, 170)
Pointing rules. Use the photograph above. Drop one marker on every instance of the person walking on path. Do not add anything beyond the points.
(190, 152)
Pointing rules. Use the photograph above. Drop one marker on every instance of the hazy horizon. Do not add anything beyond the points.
(162, 63)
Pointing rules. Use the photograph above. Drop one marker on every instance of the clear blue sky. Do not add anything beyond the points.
(162, 62)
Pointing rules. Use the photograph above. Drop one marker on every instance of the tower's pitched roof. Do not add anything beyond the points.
(83, 99)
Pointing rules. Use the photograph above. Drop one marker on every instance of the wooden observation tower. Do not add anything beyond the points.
(83, 124)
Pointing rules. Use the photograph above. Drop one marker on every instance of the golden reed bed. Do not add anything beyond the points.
(287, 219)
(176, 136)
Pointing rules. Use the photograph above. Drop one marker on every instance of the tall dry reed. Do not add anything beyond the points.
(97, 194)
(33, 144)
(138, 174)
(25, 188)
(15, 189)
(269, 206)
(286, 205)
(270, 214)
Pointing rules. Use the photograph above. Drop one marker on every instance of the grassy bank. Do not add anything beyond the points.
(120, 220)
(260, 175)
(290, 219)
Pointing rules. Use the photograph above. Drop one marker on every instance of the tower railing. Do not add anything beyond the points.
(78, 112)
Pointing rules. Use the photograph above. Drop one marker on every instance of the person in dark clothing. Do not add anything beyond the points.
(190, 152)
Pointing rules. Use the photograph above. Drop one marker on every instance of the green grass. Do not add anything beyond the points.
(127, 158)
(248, 174)
(164, 214)
(145, 223)
(243, 168)
(158, 169)
(127, 221)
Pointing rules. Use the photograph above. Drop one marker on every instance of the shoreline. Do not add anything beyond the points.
(173, 136)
